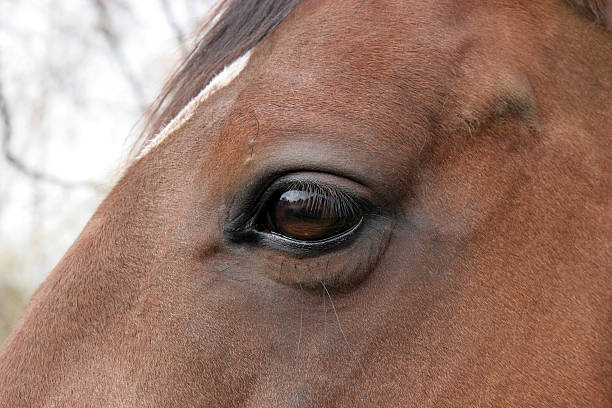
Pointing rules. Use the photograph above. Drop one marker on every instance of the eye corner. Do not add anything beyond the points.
(238, 229)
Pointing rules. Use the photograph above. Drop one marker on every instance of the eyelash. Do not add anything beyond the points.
(330, 201)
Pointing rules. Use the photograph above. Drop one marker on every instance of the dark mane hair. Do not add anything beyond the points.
(598, 10)
(233, 27)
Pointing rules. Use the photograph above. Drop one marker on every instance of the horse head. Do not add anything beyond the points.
(349, 203)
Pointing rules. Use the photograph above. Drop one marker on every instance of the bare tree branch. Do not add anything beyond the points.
(22, 167)
(178, 32)
(105, 27)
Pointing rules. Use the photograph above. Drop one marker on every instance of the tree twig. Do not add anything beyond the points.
(105, 28)
(25, 169)
(176, 29)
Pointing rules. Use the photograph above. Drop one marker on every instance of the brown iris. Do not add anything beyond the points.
(310, 215)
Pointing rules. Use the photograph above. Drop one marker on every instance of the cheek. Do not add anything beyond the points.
(214, 335)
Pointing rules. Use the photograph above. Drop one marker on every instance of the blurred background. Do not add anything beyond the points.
(75, 77)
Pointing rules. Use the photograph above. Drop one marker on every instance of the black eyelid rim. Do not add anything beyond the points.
(287, 244)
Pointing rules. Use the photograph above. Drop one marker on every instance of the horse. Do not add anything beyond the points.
(349, 203)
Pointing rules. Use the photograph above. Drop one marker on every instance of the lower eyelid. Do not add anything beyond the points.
(289, 264)
(310, 248)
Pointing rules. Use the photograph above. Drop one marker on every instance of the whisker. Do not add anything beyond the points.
(297, 354)
(324, 318)
(331, 302)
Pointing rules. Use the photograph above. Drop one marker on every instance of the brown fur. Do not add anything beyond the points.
(481, 131)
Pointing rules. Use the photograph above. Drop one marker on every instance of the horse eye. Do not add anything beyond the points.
(310, 215)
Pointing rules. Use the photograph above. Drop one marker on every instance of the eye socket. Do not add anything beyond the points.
(296, 226)
(310, 212)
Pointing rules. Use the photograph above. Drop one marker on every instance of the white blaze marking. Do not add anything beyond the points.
(221, 80)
